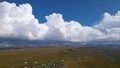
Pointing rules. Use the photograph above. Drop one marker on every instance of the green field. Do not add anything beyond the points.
(82, 57)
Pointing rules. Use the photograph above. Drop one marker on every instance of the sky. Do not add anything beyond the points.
(61, 20)
(87, 12)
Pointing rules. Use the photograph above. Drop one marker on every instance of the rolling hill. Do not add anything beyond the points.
(75, 57)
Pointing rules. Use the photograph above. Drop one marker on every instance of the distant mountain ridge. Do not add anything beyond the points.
(7, 42)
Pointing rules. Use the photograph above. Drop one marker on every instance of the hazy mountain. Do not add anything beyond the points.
(15, 42)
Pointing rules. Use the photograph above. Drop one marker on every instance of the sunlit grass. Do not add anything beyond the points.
(74, 57)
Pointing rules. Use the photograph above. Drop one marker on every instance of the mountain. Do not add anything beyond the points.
(15, 42)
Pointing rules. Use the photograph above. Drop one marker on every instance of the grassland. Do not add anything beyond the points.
(82, 57)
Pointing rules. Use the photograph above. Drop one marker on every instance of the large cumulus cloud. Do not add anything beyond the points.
(19, 22)
(110, 26)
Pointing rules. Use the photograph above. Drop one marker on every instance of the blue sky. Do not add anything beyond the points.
(19, 19)
(87, 12)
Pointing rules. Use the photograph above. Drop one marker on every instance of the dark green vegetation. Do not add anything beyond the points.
(82, 57)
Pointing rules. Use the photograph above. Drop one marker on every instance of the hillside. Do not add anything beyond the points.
(82, 57)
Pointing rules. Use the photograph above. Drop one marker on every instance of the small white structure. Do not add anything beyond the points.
(62, 63)
(35, 62)
(25, 62)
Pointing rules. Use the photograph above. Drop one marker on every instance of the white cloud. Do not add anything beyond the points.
(19, 22)
(110, 26)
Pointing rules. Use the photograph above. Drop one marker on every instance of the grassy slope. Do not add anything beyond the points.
(74, 57)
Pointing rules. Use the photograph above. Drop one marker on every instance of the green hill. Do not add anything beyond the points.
(82, 57)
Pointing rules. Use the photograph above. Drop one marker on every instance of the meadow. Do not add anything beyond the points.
(74, 57)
